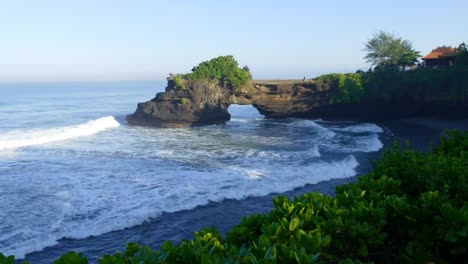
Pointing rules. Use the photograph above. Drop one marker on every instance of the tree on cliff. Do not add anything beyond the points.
(385, 50)
(461, 59)
(224, 68)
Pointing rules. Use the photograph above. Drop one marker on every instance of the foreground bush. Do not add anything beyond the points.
(412, 209)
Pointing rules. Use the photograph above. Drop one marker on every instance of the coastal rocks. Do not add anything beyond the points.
(194, 103)
(282, 99)
(205, 102)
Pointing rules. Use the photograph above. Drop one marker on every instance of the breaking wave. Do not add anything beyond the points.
(134, 175)
(18, 139)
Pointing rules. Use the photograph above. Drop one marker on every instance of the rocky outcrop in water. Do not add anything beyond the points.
(202, 102)
(205, 102)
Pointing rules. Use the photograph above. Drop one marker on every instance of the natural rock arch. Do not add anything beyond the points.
(206, 102)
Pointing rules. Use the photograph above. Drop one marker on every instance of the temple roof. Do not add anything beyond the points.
(440, 52)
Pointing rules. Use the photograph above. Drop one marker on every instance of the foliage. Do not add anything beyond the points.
(184, 101)
(390, 85)
(385, 50)
(179, 82)
(72, 258)
(424, 85)
(461, 59)
(411, 209)
(420, 86)
(9, 260)
(346, 88)
(223, 68)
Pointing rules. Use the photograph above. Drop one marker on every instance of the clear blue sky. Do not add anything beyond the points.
(47, 40)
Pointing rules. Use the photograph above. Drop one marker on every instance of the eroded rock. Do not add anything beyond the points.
(206, 102)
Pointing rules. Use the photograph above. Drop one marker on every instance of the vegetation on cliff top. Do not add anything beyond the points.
(345, 88)
(223, 68)
(390, 83)
(385, 50)
(411, 209)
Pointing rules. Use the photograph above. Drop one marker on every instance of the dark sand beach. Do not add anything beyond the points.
(422, 132)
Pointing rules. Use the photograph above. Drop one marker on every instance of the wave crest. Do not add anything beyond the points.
(20, 139)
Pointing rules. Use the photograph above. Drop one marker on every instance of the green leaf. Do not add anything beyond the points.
(294, 224)
(132, 248)
(326, 240)
(450, 236)
(278, 230)
(270, 253)
(363, 251)
(315, 258)
(72, 258)
(7, 260)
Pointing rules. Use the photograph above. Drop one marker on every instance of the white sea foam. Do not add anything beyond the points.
(326, 132)
(242, 120)
(369, 144)
(351, 144)
(18, 139)
(146, 172)
(93, 205)
(362, 128)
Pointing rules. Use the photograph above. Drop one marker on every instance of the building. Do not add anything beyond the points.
(441, 57)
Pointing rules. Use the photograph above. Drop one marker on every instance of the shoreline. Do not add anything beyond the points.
(421, 131)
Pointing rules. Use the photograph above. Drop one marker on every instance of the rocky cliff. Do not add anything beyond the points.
(198, 103)
(281, 99)
(205, 102)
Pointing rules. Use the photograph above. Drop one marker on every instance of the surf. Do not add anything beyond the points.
(19, 139)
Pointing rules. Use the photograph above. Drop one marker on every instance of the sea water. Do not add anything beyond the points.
(70, 166)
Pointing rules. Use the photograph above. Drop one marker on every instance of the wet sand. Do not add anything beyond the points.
(422, 132)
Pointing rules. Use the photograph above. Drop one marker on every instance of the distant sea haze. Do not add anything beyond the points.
(70, 167)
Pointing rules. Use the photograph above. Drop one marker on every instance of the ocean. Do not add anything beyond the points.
(74, 176)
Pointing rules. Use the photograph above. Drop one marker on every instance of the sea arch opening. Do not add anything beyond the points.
(244, 112)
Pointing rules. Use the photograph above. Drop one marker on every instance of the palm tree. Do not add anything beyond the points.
(385, 50)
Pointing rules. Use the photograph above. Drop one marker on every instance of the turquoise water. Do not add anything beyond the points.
(70, 167)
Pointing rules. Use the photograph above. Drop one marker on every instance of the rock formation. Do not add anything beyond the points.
(200, 103)
(282, 99)
(206, 102)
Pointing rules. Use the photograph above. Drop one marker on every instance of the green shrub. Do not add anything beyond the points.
(424, 85)
(223, 68)
(179, 82)
(184, 101)
(413, 208)
(8, 260)
(345, 88)
(72, 258)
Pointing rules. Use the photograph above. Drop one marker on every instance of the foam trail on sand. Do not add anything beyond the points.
(362, 128)
(89, 205)
(18, 139)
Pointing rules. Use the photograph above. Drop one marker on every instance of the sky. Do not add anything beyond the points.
(97, 40)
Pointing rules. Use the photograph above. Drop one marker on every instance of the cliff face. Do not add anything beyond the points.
(199, 103)
(206, 102)
(281, 99)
